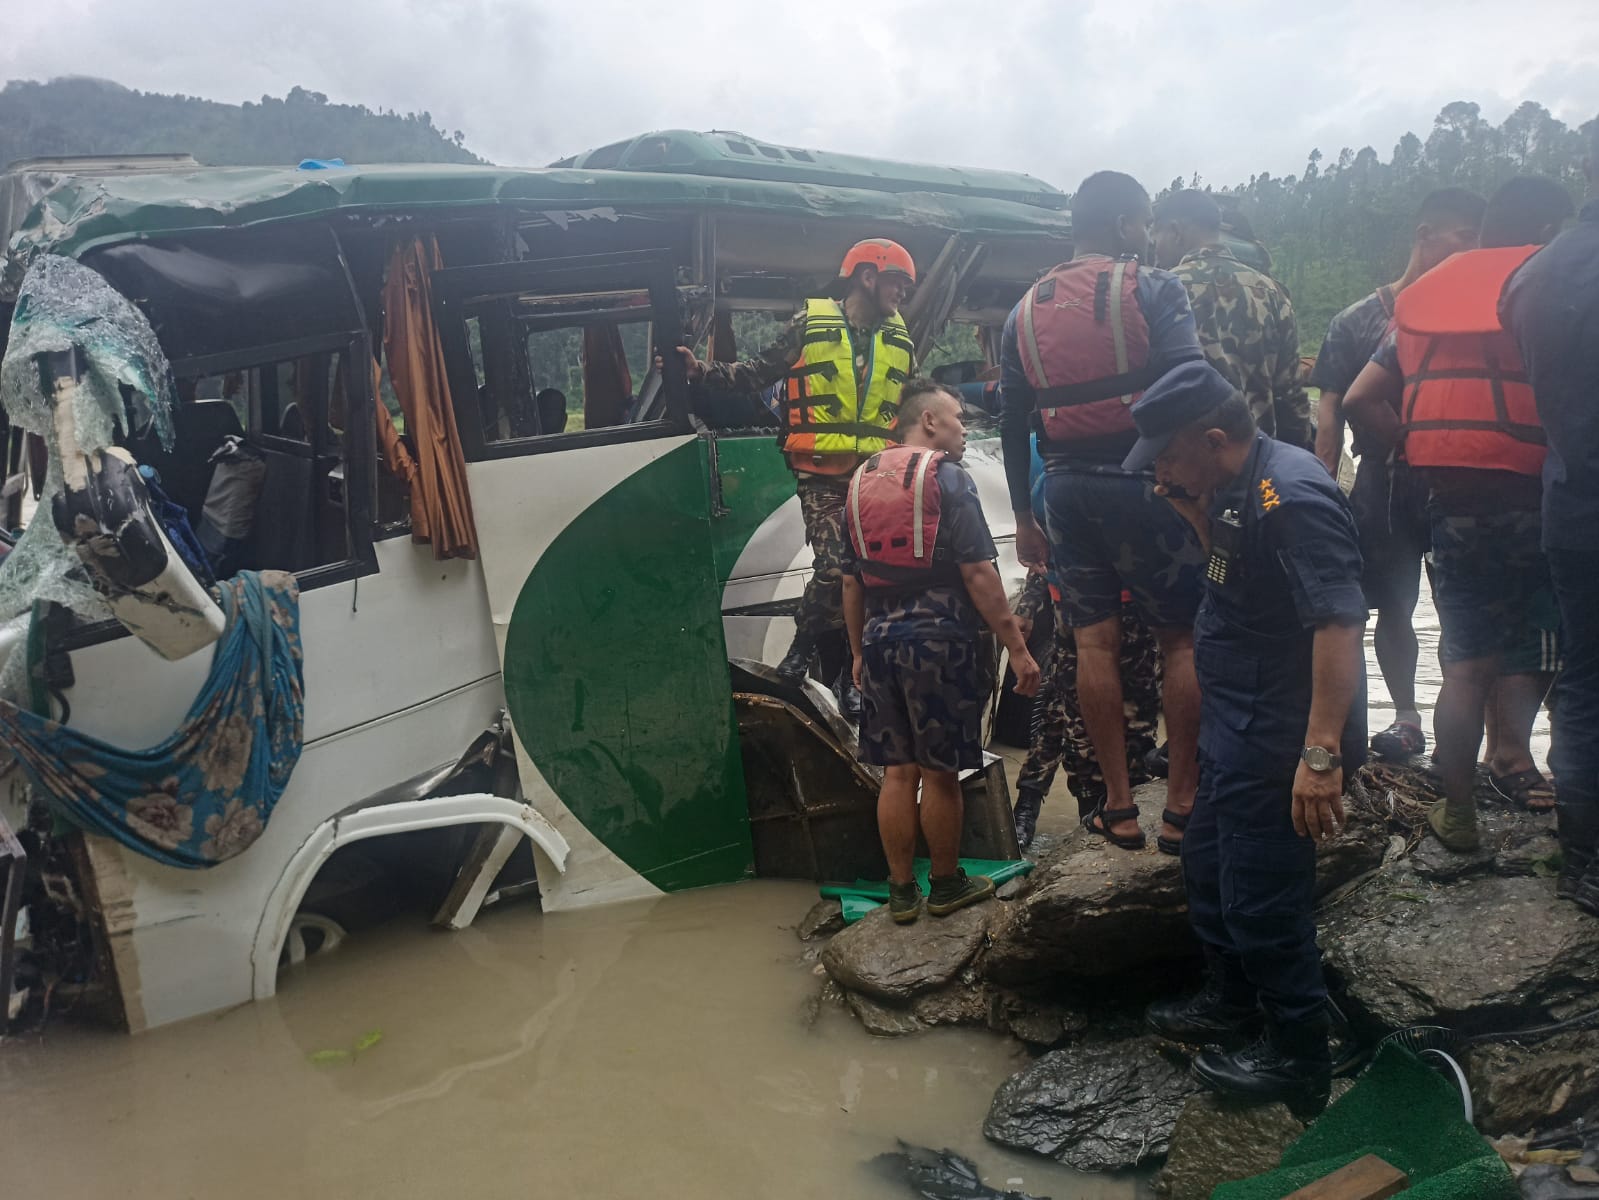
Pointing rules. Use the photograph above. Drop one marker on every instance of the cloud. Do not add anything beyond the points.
(1057, 89)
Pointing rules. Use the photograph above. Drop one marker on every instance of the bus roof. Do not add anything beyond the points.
(736, 155)
(76, 211)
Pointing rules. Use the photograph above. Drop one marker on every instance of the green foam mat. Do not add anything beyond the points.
(1407, 1115)
(860, 897)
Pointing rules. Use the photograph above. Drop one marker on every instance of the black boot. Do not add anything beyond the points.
(1028, 803)
(1158, 761)
(1290, 1062)
(1579, 859)
(1574, 864)
(1225, 1012)
(796, 663)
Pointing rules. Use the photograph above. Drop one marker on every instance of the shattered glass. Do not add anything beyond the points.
(64, 304)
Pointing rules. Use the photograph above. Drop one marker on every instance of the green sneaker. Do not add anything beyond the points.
(904, 902)
(957, 891)
(1456, 830)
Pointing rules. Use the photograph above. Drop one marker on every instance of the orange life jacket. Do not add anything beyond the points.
(893, 513)
(1084, 345)
(1467, 401)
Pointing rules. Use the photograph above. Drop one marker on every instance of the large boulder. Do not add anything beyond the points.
(1099, 911)
(1522, 1088)
(1217, 1140)
(1477, 954)
(1100, 1106)
(893, 963)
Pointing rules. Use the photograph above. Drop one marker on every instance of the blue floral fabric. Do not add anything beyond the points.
(204, 794)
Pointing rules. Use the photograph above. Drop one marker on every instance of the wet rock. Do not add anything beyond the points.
(1357, 851)
(1040, 1024)
(1012, 888)
(1513, 843)
(1521, 1088)
(1217, 1140)
(825, 918)
(963, 1002)
(882, 1020)
(892, 962)
(1463, 955)
(1096, 912)
(1100, 1106)
(1102, 911)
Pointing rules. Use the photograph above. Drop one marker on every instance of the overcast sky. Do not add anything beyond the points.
(1054, 87)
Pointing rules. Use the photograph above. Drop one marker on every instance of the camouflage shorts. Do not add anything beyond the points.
(1491, 586)
(1110, 533)
(1059, 736)
(922, 704)
(822, 500)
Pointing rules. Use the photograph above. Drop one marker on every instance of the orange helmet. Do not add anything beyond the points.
(880, 253)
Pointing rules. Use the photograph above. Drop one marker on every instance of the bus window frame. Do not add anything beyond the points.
(456, 290)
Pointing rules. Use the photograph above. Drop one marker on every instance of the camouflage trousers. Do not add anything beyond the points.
(822, 499)
(1059, 737)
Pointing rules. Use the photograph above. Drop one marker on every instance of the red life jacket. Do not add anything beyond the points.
(1467, 399)
(893, 510)
(1085, 348)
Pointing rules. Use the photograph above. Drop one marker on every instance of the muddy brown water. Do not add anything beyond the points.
(655, 1050)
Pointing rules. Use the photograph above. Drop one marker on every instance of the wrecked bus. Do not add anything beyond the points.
(517, 609)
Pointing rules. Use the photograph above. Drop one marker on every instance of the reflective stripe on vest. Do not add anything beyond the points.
(1467, 400)
(1085, 348)
(826, 413)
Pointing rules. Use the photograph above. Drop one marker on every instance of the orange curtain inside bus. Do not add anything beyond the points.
(607, 382)
(441, 507)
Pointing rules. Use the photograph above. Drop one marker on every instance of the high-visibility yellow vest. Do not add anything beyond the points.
(826, 412)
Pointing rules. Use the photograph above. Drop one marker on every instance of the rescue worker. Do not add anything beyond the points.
(921, 576)
(843, 362)
(1390, 506)
(1075, 353)
(1469, 426)
(1551, 307)
(1057, 736)
(1278, 641)
(1244, 318)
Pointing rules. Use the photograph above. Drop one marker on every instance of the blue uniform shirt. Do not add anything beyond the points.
(1297, 567)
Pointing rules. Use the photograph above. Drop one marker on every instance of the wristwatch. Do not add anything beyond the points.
(1321, 759)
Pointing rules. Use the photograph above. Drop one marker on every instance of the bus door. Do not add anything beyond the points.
(593, 505)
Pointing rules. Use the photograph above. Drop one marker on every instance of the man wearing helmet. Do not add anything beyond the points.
(843, 362)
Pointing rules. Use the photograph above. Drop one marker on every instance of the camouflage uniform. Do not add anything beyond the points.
(1059, 736)
(1247, 330)
(822, 491)
(922, 704)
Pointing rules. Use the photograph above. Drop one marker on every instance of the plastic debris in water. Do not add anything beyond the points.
(940, 1175)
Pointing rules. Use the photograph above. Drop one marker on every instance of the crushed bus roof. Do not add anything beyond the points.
(76, 211)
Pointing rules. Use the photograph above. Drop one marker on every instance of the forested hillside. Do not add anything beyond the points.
(95, 116)
(1343, 225)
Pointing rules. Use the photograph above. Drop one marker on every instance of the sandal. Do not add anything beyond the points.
(1101, 819)
(1400, 741)
(1527, 789)
(1179, 821)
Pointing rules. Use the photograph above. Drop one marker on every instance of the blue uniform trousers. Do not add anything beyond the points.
(1251, 883)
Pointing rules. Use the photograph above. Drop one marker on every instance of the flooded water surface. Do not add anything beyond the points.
(658, 1050)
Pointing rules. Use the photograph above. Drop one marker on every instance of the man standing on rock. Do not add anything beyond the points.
(920, 575)
(1277, 644)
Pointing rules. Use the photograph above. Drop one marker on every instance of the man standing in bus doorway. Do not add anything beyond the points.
(1076, 352)
(919, 578)
(843, 362)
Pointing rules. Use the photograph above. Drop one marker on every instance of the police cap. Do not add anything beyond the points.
(1183, 395)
